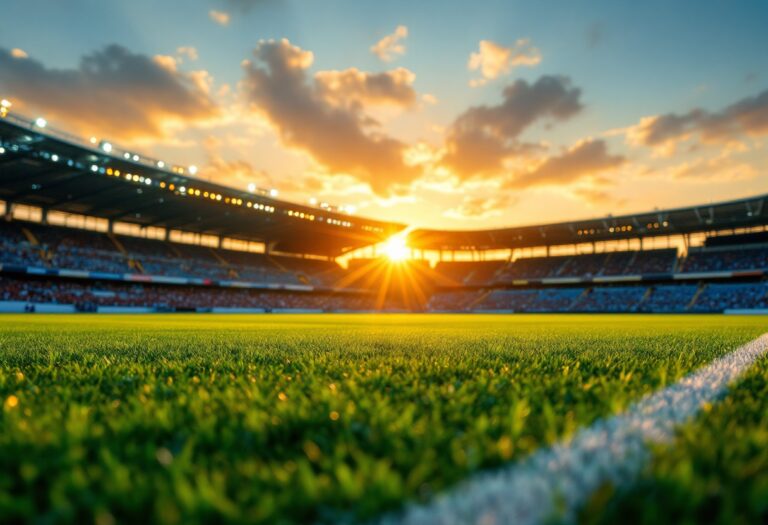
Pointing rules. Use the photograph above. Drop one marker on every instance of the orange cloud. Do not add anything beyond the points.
(483, 137)
(748, 116)
(313, 117)
(480, 207)
(391, 46)
(352, 86)
(19, 53)
(493, 60)
(584, 159)
(220, 17)
(188, 52)
(113, 93)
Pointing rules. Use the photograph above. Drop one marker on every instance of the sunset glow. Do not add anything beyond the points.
(505, 113)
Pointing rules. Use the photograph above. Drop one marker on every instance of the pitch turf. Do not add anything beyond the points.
(296, 418)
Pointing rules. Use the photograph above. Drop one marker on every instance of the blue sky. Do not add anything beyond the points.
(628, 61)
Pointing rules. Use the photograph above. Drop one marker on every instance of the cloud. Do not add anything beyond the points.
(429, 98)
(481, 138)
(584, 159)
(310, 116)
(747, 117)
(727, 165)
(474, 207)
(114, 92)
(598, 196)
(19, 53)
(188, 52)
(352, 87)
(493, 60)
(220, 17)
(238, 173)
(391, 46)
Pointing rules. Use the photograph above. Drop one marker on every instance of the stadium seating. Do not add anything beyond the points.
(611, 299)
(669, 298)
(720, 297)
(590, 265)
(727, 259)
(453, 301)
(543, 300)
(75, 249)
(86, 296)
(413, 286)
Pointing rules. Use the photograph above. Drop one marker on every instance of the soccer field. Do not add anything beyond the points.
(343, 418)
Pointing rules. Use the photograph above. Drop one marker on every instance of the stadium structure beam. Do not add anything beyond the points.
(9, 158)
(27, 175)
(99, 210)
(133, 211)
(62, 181)
(100, 192)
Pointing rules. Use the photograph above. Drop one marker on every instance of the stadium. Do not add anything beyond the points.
(180, 345)
(155, 239)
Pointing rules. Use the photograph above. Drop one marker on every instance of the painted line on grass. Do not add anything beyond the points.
(554, 482)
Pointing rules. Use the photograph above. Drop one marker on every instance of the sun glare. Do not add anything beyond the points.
(396, 249)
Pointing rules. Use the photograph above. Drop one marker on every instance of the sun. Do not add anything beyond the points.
(396, 249)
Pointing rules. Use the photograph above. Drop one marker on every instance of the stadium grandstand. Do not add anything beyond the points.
(91, 227)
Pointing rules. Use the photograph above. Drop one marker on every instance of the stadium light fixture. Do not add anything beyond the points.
(2, 150)
(6, 103)
(55, 158)
(273, 192)
(193, 170)
(106, 146)
(252, 187)
(160, 164)
(40, 122)
(313, 201)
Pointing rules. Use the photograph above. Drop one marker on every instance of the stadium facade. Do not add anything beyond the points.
(91, 227)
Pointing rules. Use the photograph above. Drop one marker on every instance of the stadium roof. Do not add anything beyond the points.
(56, 171)
(740, 213)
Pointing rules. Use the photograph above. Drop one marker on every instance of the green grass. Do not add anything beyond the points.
(280, 419)
(716, 471)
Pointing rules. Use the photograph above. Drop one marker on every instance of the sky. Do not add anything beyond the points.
(440, 114)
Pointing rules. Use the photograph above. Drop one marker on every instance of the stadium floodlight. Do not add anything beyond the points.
(251, 187)
(126, 155)
(6, 103)
(313, 201)
(106, 146)
(94, 168)
(2, 150)
(160, 164)
(273, 192)
(135, 158)
(193, 170)
(55, 158)
(40, 122)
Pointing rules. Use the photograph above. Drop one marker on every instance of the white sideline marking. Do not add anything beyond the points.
(554, 482)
